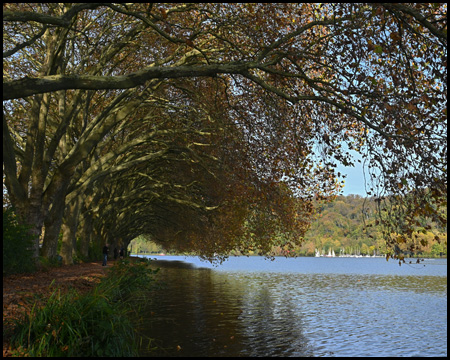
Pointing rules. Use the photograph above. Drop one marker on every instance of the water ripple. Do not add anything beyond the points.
(211, 313)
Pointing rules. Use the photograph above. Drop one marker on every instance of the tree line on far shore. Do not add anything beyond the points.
(345, 226)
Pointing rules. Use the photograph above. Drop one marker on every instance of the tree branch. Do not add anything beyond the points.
(440, 34)
(24, 44)
(30, 86)
(64, 20)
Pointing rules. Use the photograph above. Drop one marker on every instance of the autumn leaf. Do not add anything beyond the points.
(378, 49)
(395, 36)
(389, 143)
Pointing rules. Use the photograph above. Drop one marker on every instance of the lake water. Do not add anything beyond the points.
(298, 307)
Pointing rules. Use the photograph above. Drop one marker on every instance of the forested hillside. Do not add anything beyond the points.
(346, 224)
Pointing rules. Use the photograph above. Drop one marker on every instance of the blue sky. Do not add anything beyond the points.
(354, 182)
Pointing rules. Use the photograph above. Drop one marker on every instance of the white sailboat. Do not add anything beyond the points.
(330, 253)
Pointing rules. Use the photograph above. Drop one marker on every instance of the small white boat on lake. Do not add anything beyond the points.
(330, 253)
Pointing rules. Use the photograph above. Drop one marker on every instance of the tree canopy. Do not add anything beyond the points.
(203, 123)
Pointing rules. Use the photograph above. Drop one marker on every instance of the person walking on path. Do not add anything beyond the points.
(105, 254)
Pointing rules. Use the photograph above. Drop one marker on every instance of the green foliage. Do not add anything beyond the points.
(143, 245)
(17, 243)
(100, 323)
(75, 326)
(46, 264)
(126, 278)
(95, 251)
(438, 249)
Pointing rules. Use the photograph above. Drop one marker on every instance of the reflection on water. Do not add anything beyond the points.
(209, 314)
(203, 312)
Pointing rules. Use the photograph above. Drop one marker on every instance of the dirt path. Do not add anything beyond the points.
(18, 290)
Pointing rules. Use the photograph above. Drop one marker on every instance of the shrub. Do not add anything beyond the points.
(17, 245)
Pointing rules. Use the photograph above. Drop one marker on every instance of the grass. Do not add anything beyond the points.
(102, 322)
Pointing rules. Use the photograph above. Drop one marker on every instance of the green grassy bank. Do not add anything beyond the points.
(102, 322)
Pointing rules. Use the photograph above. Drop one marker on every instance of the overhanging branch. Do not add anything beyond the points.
(30, 86)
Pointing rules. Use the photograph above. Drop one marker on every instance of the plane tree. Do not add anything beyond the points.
(302, 83)
(194, 196)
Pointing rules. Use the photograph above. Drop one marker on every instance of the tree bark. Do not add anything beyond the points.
(84, 233)
(69, 230)
(34, 217)
(53, 224)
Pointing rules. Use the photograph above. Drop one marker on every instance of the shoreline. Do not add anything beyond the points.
(20, 290)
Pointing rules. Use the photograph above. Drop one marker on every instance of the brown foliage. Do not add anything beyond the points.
(294, 86)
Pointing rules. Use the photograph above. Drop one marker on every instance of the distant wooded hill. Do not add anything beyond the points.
(340, 226)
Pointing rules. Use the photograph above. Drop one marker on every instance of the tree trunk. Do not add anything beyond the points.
(52, 229)
(84, 233)
(69, 230)
(34, 217)
(67, 245)
(54, 220)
